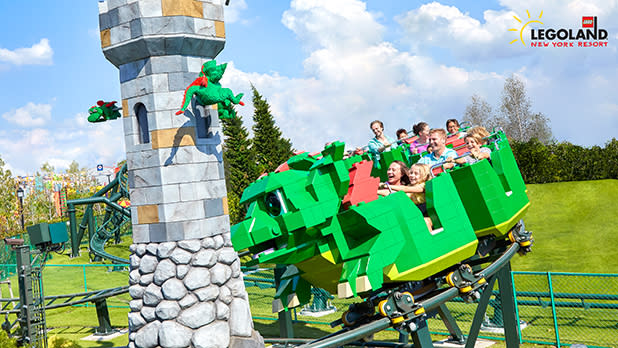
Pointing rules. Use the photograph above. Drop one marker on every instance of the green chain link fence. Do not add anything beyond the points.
(558, 309)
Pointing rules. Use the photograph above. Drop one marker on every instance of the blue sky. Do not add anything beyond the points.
(327, 68)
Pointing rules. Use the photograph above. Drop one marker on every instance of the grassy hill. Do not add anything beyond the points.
(574, 226)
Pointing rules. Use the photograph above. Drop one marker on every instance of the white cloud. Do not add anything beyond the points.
(84, 142)
(353, 77)
(233, 11)
(30, 115)
(39, 54)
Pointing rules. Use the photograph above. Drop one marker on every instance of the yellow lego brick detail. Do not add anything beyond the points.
(125, 108)
(328, 255)
(189, 8)
(226, 210)
(148, 214)
(219, 29)
(173, 137)
(425, 270)
(106, 38)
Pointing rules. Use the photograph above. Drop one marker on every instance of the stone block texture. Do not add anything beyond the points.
(185, 280)
(206, 307)
(175, 161)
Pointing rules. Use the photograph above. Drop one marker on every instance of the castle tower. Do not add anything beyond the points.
(185, 279)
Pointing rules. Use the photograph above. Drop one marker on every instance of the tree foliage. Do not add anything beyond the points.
(562, 161)
(271, 149)
(240, 166)
(479, 113)
(73, 168)
(515, 116)
(9, 206)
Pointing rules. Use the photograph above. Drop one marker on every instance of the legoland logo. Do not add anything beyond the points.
(589, 35)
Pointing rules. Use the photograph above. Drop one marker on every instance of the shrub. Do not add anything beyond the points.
(6, 341)
(554, 162)
(61, 342)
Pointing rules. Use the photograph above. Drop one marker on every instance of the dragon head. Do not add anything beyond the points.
(289, 211)
(212, 71)
(95, 114)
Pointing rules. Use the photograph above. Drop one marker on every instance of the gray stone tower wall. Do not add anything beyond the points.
(185, 279)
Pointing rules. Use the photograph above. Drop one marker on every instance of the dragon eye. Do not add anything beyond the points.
(273, 204)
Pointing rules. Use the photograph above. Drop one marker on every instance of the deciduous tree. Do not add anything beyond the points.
(516, 118)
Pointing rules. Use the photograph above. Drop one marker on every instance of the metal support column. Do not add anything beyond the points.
(479, 315)
(105, 327)
(32, 307)
(451, 324)
(421, 337)
(73, 228)
(286, 330)
(507, 297)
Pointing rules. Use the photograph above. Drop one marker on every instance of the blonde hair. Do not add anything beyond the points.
(424, 170)
(476, 136)
(479, 131)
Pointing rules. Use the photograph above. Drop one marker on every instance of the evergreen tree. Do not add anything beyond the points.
(240, 166)
(271, 149)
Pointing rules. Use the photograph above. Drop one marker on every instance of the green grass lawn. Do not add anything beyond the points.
(572, 224)
(574, 227)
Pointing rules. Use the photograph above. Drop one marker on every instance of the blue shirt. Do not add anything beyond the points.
(374, 146)
(431, 159)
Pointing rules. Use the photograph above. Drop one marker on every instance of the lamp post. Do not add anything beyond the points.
(20, 195)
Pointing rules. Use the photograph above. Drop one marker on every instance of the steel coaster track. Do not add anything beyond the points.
(350, 335)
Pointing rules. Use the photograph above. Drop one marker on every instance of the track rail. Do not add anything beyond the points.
(347, 335)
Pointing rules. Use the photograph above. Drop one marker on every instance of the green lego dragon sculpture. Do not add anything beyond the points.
(208, 91)
(103, 111)
(321, 215)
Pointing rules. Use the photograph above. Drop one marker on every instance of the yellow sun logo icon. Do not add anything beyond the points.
(521, 31)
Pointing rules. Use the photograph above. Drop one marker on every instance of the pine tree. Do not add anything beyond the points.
(271, 149)
(240, 166)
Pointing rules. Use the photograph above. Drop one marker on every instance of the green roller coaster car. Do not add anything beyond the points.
(323, 217)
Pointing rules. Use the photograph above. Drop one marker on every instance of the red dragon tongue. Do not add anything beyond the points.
(241, 103)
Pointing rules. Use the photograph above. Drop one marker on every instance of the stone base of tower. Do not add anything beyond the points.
(189, 293)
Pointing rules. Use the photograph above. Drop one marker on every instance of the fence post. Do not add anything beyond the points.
(85, 285)
(516, 308)
(553, 308)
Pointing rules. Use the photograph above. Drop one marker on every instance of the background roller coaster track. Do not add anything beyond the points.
(115, 217)
(350, 335)
(69, 300)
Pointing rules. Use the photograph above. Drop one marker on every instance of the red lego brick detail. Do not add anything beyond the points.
(363, 187)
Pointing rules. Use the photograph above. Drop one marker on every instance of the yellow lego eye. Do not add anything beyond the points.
(273, 204)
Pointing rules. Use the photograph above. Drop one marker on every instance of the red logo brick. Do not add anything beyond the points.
(587, 22)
